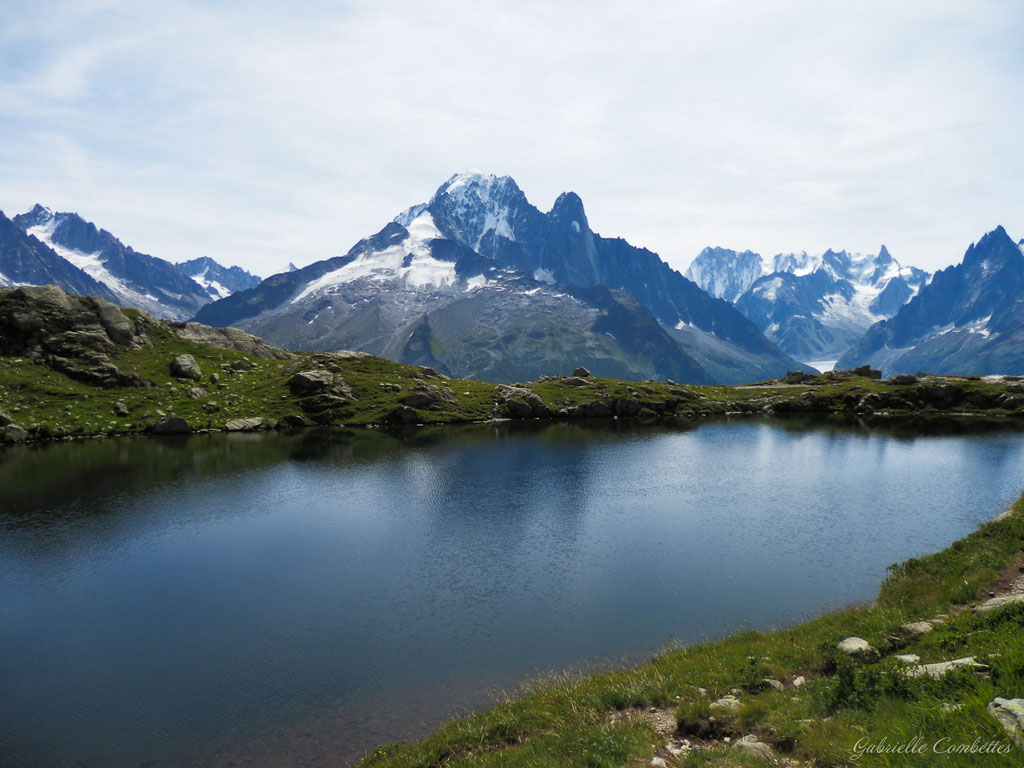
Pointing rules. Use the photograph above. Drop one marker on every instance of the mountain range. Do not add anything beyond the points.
(968, 320)
(813, 306)
(478, 282)
(64, 249)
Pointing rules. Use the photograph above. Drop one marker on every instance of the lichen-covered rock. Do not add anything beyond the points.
(1010, 714)
(581, 372)
(726, 704)
(752, 746)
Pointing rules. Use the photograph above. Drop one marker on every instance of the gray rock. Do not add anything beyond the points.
(915, 629)
(770, 683)
(858, 648)
(429, 396)
(403, 414)
(908, 658)
(15, 433)
(752, 746)
(1010, 714)
(942, 667)
(308, 382)
(902, 379)
(426, 370)
(726, 703)
(185, 367)
(575, 381)
(581, 372)
(799, 682)
(195, 393)
(230, 338)
(999, 602)
(49, 296)
(120, 409)
(244, 425)
(171, 425)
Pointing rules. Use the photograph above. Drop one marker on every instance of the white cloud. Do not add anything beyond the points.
(261, 133)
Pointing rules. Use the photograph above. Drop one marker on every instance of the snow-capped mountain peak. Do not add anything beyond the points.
(471, 205)
(724, 273)
(798, 264)
(133, 279)
(811, 305)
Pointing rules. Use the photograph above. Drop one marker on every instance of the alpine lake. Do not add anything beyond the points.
(297, 598)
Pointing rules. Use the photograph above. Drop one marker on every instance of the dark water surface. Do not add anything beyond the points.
(295, 599)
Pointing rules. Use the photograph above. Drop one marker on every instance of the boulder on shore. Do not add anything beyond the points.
(171, 425)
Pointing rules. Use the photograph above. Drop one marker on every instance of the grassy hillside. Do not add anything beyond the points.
(72, 367)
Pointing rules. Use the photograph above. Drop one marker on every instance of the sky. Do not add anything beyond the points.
(263, 133)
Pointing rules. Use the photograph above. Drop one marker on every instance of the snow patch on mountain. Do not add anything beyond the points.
(409, 261)
(215, 289)
(542, 275)
(90, 263)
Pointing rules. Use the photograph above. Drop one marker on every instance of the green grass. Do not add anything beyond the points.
(49, 404)
(579, 720)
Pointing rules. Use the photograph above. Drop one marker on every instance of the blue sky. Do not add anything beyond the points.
(261, 133)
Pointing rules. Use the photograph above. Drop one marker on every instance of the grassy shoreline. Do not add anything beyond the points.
(791, 691)
(74, 367)
(45, 403)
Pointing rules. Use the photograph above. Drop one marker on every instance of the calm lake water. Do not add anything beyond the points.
(287, 599)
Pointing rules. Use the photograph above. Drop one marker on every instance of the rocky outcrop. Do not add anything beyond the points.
(229, 338)
(71, 334)
(521, 403)
(82, 336)
(424, 396)
(321, 392)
